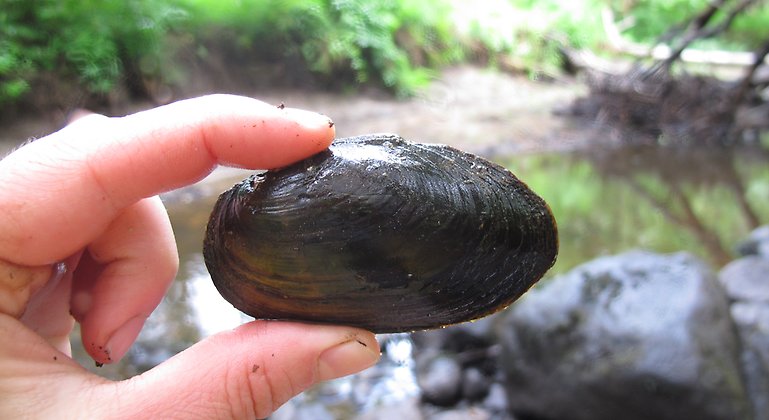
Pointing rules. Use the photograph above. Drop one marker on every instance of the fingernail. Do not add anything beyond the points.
(121, 340)
(310, 119)
(347, 358)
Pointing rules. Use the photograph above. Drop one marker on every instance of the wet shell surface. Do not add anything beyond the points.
(380, 233)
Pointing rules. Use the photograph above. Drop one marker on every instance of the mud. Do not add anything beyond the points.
(483, 111)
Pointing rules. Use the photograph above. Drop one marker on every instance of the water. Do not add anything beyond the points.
(605, 201)
(614, 199)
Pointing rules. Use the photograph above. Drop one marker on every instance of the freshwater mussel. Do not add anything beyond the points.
(380, 233)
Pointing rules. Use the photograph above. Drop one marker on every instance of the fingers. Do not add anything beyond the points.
(242, 374)
(246, 373)
(38, 381)
(62, 191)
(81, 194)
(122, 278)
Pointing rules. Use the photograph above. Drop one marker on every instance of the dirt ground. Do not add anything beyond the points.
(479, 110)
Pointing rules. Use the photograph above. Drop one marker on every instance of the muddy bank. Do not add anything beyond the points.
(479, 110)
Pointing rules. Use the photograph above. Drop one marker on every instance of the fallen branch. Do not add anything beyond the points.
(649, 104)
(662, 52)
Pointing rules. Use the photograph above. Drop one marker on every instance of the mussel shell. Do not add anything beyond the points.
(380, 233)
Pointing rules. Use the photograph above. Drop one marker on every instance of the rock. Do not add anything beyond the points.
(407, 409)
(752, 321)
(757, 243)
(496, 400)
(469, 413)
(293, 411)
(460, 337)
(440, 379)
(634, 336)
(475, 384)
(471, 346)
(746, 279)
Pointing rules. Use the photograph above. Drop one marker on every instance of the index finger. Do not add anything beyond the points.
(61, 191)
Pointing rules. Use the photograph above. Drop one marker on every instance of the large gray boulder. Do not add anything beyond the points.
(633, 336)
(746, 281)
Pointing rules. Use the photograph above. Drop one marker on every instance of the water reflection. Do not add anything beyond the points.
(605, 201)
(672, 180)
(613, 199)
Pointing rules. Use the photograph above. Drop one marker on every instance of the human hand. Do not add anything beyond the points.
(83, 236)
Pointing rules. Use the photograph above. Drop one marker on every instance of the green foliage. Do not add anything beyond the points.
(15, 62)
(750, 29)
(90, 40)
(336, 37)
(394, 43)
(97, 41)
(652, 18)
(363, 34)
(531, 33)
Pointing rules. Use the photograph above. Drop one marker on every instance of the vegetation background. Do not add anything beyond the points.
(90, 49)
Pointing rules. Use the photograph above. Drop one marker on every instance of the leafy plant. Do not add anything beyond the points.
(91, 41)
(16, 61)
(395, 43)
(363, 34)
(339, 38)
(653, 18)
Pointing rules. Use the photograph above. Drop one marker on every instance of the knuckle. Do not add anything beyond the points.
(259, 388)
(249, 391)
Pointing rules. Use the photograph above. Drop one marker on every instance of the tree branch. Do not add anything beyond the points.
(698, 27)
(662, 52)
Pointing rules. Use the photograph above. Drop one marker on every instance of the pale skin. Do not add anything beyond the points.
(84, 238)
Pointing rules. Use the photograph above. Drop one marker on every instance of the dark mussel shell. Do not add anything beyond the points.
(380, 233)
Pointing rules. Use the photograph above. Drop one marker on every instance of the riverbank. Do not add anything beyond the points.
(483, 111)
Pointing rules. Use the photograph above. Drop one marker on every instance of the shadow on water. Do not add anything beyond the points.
(606, 201)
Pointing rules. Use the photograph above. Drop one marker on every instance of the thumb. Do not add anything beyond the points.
(246, 373)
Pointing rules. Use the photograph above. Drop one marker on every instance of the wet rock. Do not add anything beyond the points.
(757, 243)
(752, 321)
(440, 380)
(293, 411)
(475, 384)
(407, 409)
(746, 281)
(472, 346)
(469, 413)
(460, 337)
(496, 400)
(634, 336)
